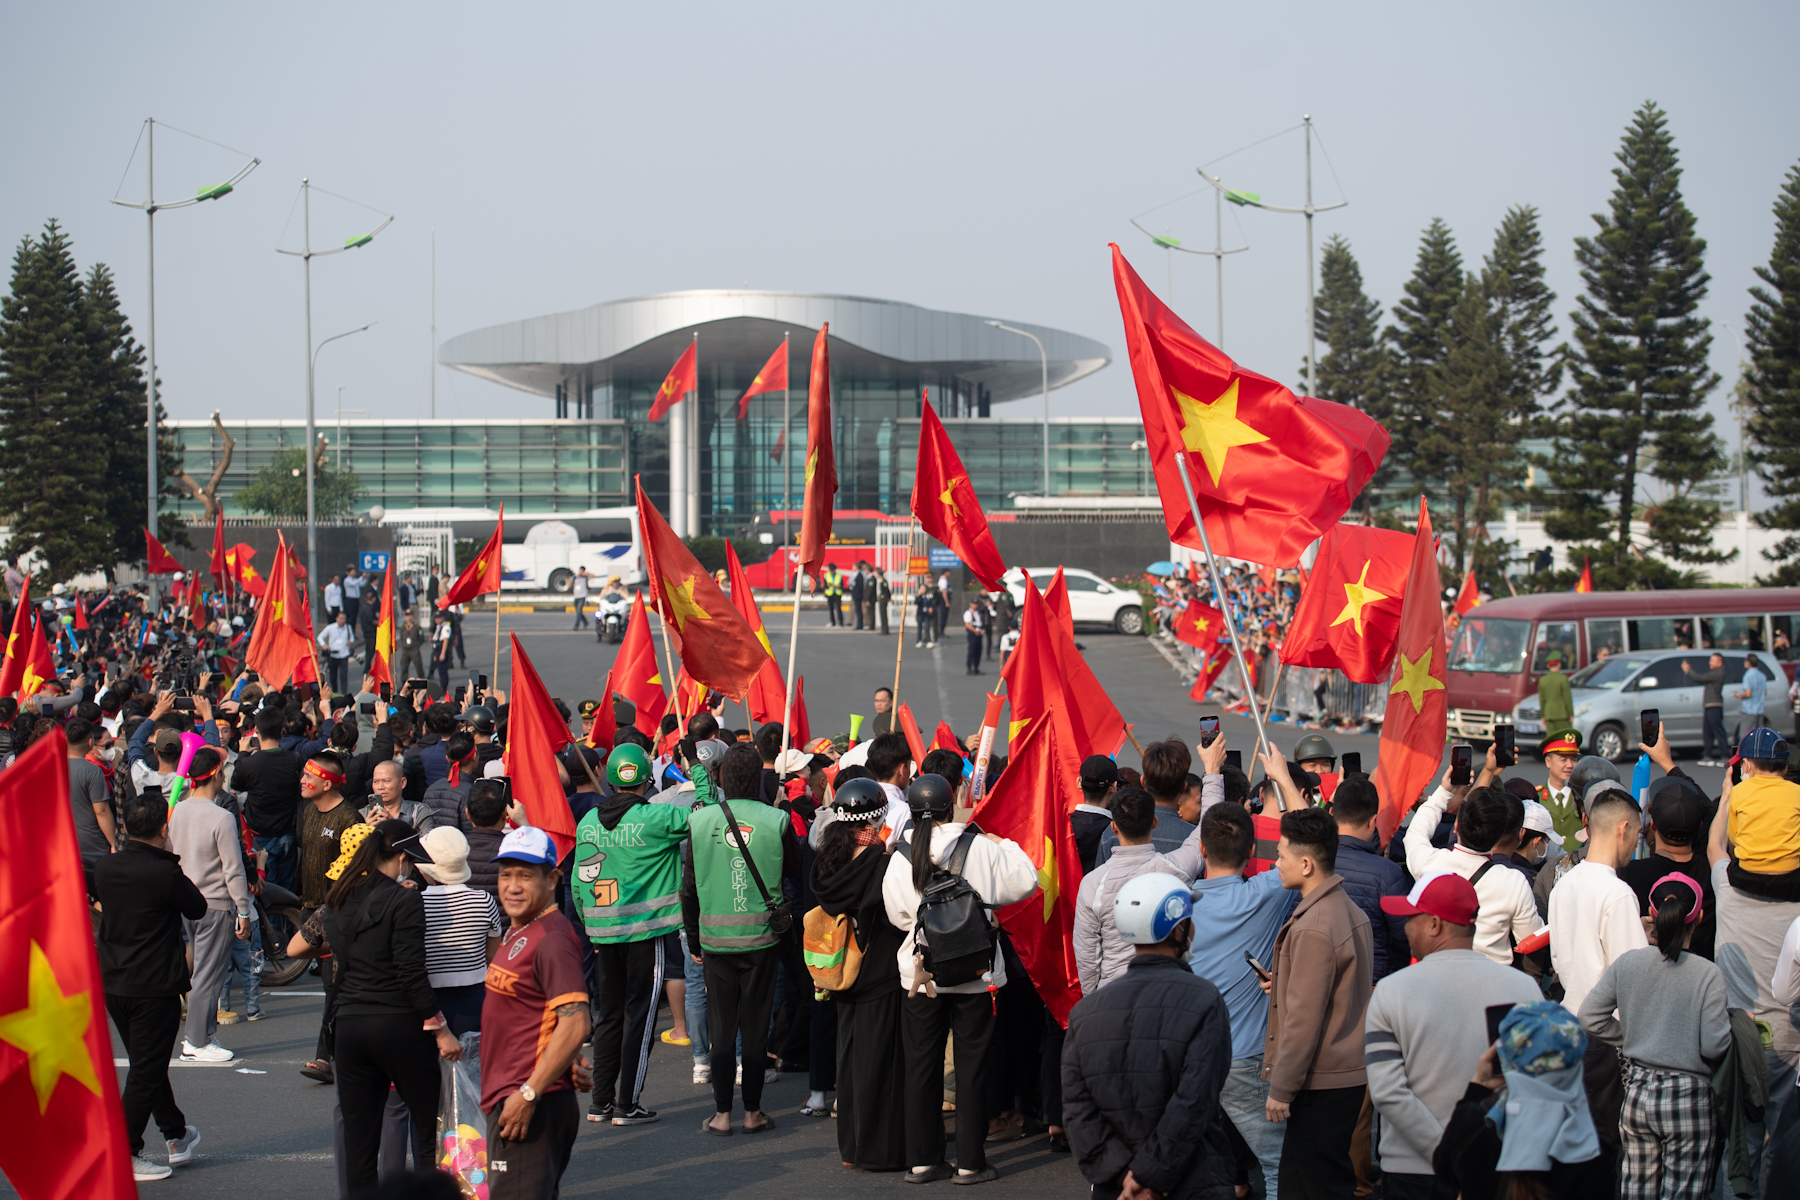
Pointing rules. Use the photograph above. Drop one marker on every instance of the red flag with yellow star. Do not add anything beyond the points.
(1199, 625)
(683, 377)
(1470, 595)
(821, 461)
(717, 647)
(535, 731)
(1217, 659)
(1098, 725)
(482, 576)
(281, 645)
(1272, 471)
(247, 577)
(158, 561)
(12, 667)
(1349, 612)
(1412, 734)
(772, 378)
(381, 668)
(40, 664)
(944, 501)
(1586, 582)
(59, 1092)
(636, 675)
(1031, 674)
(768, 692)
(1030, 806)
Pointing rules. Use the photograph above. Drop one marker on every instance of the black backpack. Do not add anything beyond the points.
(953, 929)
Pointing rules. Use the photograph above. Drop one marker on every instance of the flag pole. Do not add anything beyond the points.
(900, 642)
(787, 706)
(669, 659)
(1212, 565)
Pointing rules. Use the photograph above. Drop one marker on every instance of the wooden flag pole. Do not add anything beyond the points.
(496, 635)
(912, 531)
(787, 705)
(1134, 742)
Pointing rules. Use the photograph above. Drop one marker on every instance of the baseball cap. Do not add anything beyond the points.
(1538, 819)
(527, 844)
(1677, 807)
(710, 751)
(1098, 771)
(167, 742)
(1764, 744)
(1442, 894)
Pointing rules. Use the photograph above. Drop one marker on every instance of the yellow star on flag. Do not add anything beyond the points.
(1202, 624)
(1415, 680)
(52, 1031)
(1047, 881)
(1013, 728)
(1358, 596)
(949, 496)
(1213, 429)
(657, 679)
(762, 635)
(682, 606)
(812, 464)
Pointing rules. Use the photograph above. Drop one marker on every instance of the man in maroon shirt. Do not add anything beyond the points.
(534, 1019)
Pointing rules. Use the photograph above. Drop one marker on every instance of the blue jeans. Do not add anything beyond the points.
(1245, 1098)
(246, 966)
(283, 867)
(696, 1003)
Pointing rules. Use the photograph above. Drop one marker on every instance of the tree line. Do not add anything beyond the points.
(1467, 372)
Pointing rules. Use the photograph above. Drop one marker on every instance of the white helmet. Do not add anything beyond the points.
(1149, 907)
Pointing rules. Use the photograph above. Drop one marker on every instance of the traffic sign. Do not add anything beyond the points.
(373, 562)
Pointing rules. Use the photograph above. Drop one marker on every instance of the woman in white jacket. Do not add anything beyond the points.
(1001, 874)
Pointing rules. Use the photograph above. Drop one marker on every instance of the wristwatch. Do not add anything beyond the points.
(529, 1092)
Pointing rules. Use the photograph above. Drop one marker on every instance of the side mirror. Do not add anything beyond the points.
(1105, 589)
(1646, 682)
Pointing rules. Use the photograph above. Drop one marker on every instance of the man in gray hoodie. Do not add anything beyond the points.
(204, 837)
(1101, 954)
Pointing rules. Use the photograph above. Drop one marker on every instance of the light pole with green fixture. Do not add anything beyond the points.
(1217, 253)
(1046, 363)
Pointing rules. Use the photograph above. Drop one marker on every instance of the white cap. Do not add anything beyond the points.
(1538, 819)
(791, 762)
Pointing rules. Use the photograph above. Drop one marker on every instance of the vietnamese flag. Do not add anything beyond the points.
(690, 695)
(1057, 597)
(1030, 805)
(482, 576)
(635, 673)
(1349, 614)
(1412, 734)
(535, 731)
(716, 645)
(1200, 625)
(158, 561)
(683, 377)
(1470, 595)
(772, 378)
(768, 692)
(59, 1091)
(944, 501)
(217, 566)
(945, 738)
(1586, 582)
(237, 562)
(1032, 677)
(821, 462)
(40, 665)
(12, 667)
(81, 614)
(1217, 659)
(1098, 725)
(1272, 471)
(381, 669)
(281, 646)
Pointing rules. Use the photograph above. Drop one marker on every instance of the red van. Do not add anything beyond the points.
(1501, 649)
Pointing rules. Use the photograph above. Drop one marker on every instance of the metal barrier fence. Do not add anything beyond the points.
(1314, 694)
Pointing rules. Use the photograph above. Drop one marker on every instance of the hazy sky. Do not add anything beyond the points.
(968, 157)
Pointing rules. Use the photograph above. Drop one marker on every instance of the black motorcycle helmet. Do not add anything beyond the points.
(481, 719)
(1589, 770)
(860, 800)
(931, 794)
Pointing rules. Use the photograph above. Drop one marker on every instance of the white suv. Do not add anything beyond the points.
(1092, 600)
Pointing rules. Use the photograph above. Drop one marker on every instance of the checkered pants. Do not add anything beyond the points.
(1668, 1137)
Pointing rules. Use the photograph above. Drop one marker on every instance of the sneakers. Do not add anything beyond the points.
(143, 1170)
(600, 1113)
(181, 1149)
(669, 1039)
(226, 1017)
(255, 1014)
(211, 1052)
(637, 1114)
(702, 1071)
(769, 1076)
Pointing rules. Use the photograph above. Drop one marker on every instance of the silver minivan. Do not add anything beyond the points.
(1610, 693)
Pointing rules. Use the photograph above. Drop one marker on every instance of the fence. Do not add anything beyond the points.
(1302, 693)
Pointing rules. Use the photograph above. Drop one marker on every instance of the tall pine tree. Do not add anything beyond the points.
(1353, 370)
(1512, 275)
(1419, 345)
(52, 484)
(1772, 327)
(1465, 428)
(1640, 377)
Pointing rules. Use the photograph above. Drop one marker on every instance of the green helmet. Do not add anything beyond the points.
(628, 766)
(1313, 746)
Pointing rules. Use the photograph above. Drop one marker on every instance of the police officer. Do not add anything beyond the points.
(834, 595)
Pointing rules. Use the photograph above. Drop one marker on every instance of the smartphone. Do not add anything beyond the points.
(1506, 753)
(387, 692)
(1209, 730)
(252, 677)
(1496, 1013)
(415, 684)
(1262, 972)
(1234, 759)
(184, 703)
(1352, 762)
(368, 710)
(1650, 725)
(462, 689)
(481, 684)
(1462, 770)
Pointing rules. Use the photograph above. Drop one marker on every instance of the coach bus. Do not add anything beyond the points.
(1501, 649)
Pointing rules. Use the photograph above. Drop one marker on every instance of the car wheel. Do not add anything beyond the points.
(1609, 742)
(562, 580)
(1129, 620)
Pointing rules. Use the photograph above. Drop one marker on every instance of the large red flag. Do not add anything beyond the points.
(1057, 597)
(1032, 675)
(1030, 806)
(535, 731)
(59, 1091)
(636, 675)
(716, 646)
(158, 561)
(1412, 734)
(217, 565)
(1272, 471)
(381, 669)
(772, 378)
(768, 691)
(482, 576)
(683, 377)
(821, 461)
(237, 561)
(1199, 625)
(1098, 725)
(40, 664)
(1349, 613)
(18, 648)
(945, 502)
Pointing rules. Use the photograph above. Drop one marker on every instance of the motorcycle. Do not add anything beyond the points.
(611, 617)
(280, 915)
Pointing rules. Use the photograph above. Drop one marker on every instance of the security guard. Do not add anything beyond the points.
(1560, 752)
(834, 595)
(628, 889)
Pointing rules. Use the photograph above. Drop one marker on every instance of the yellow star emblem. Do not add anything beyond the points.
(1013, 728)
(52, 1031)
(762, 635)
(1415, 680)
(949, 495)
(1202, 624)
(812, 464)
(657, 679)
(682, 606)
(1213, 429)
(29, 685)
(1357, 596)
(1047, 881)
(275, 609)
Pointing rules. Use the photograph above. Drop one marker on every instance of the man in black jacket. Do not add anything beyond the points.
(1145, 1059)
(269, 781)
(143, 897)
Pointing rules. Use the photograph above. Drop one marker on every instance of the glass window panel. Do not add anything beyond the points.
(1735, 632)
(1554, 637)
(1490, 644)
(1605, 637)
(1787, 634)
(1660, 633)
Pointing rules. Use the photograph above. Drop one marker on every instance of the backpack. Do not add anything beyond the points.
(829, 946)
(953, 931)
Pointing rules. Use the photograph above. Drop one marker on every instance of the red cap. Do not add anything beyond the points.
(1445, 895)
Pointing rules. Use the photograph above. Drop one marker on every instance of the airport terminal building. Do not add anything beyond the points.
(597, 371)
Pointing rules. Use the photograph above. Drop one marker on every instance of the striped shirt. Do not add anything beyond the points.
(458, 921)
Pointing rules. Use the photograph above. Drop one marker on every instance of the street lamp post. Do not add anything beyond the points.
(1217, 254)
(306, 254)
(1046, 362)
(150, 208)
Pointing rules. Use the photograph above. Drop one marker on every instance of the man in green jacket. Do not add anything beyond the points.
(732, 882)
(1556, 700)
(627, 886)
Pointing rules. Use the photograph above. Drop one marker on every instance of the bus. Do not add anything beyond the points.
(1501, 649)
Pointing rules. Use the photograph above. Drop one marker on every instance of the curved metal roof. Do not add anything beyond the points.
(869, 338)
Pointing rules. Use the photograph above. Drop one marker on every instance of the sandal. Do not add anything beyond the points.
(706, 1126)
(807, 1110)
(768, 1123)
(318, 1069)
